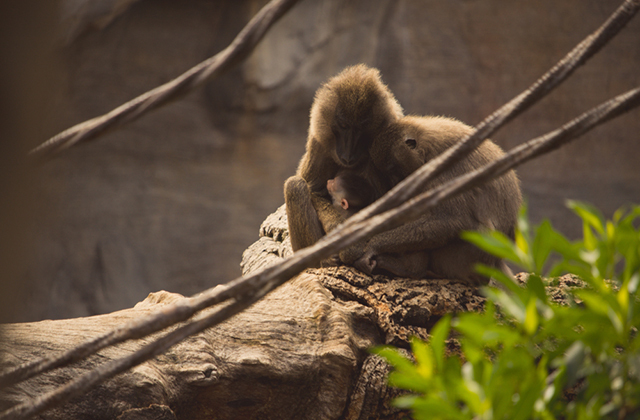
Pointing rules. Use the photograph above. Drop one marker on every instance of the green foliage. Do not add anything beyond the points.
(521, 364)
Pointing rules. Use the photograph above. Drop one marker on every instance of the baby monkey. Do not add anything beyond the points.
(351, 193)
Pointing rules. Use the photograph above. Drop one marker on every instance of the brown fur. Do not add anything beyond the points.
(493, 205)
(351, 193)
(347, 114)
(356, 125)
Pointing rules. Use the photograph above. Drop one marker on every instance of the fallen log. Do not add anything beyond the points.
(300, 353)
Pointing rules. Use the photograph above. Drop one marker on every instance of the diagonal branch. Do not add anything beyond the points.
(246, 291)
(238, 50)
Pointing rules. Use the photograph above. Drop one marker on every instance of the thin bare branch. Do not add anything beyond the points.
(238, 50)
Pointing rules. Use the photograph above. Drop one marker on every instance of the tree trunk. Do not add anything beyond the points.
(300, 353)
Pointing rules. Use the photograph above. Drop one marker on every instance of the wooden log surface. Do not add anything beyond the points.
(300, 353)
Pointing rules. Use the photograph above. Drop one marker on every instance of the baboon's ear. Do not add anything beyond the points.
(344, 203)
(411, 143)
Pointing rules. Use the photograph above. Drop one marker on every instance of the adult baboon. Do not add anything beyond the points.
(347, 114)
(493, 205)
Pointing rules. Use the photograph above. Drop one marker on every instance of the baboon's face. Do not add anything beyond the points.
(348, 113)
(351, 191)
(338, 193)
(351, 129)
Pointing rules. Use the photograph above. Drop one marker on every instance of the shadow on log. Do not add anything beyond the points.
(300, 353)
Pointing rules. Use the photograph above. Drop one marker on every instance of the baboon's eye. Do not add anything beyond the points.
(341, 121)
(411, 143)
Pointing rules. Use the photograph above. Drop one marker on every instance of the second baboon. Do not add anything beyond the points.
(493, 205)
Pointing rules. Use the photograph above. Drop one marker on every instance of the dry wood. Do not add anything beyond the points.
(300, 353)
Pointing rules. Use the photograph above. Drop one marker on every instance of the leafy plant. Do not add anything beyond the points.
(539, 359)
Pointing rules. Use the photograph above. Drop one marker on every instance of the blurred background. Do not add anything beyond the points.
(171, 201)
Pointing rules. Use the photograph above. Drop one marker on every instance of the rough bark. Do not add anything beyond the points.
(301, 353)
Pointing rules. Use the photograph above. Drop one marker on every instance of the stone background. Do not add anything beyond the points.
(171, 201)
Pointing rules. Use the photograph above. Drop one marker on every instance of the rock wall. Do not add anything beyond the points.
(171, 201)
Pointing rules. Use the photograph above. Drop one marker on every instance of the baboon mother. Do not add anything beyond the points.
(347, 114)
(356, 124)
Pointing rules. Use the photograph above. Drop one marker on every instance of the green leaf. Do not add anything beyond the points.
(631, 251)
(605, 305)
(573, 361)
(594, 301)
(589, 215)
(394, 357)
(405, 402)
(432, 408)
(523, 410)
(424, 358)
(633, 283)
(522, 241)
(522, 230)
(511, 304)
(542, 245)
(623, 300)
(502, 278)
(498, 244)
(535, 284)
(470, 390)
(531, 320)
(410, 380)
(591, 219)
(439, 334)
(580, 269)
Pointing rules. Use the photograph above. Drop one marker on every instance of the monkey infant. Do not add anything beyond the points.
(350, 194)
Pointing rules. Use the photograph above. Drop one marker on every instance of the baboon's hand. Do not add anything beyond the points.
(366, 263)
(332, 261)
